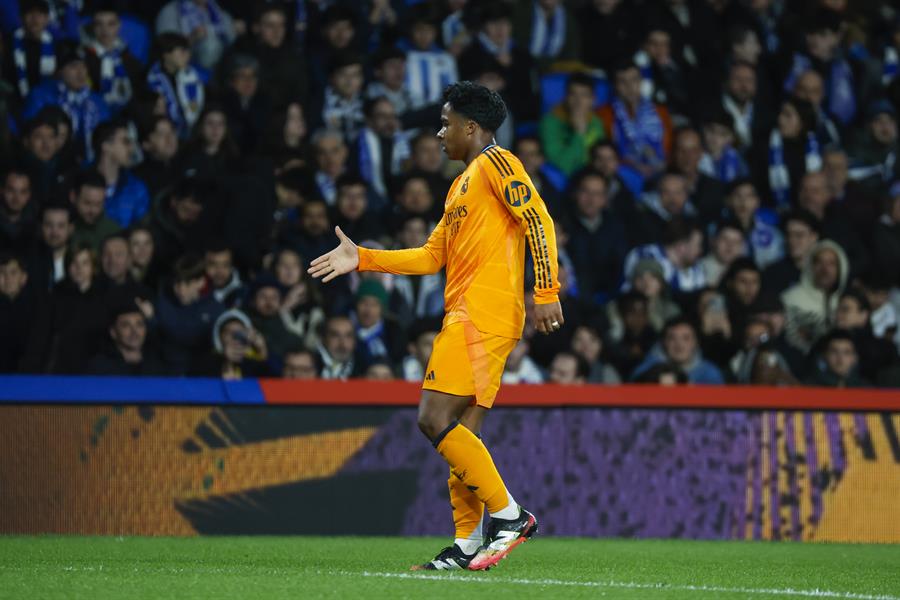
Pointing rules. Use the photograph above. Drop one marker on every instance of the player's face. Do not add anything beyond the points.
(454, 133)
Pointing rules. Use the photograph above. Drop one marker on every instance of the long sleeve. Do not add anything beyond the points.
(514, 188)
(425, 260)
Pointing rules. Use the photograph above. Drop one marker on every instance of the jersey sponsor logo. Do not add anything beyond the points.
(517, 193)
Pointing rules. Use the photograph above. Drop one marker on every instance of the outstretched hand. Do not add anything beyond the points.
(548, 317)
(341, 260)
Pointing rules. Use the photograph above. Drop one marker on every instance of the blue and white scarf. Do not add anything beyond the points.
(890, 66)
(645, 66)
(48, 59)
(83, 112)
(548, 35)
(191, 16)
(493, 48)
(343, 114)
(779, 176)
(427, 74)
(64, 17)
(184, 101)
(639, 138)
(452, 28)
(370, 338)
(726, 168)
(327, 187)
(115, 86)
(371, 160)
(840, 97)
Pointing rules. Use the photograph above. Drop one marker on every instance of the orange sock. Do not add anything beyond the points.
(471, 462)
(468, 510)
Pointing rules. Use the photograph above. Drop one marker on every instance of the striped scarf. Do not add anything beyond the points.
(184, 101)
(726, 168)
(371, 160)
(191, 16)
(83, 112)
(427, 74)
(370, 338)
(779, 176)
(327, 187)
(642, 60)
(548, 35)
(342, 114)
(115, 86)
(841, 99)
(48, 59)
(452, 28)
(492, 48)
(638, 138)
(890, 66)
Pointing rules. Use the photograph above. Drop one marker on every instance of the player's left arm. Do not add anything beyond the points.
(515, 190)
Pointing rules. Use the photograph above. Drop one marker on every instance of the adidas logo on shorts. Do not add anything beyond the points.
(430, 376)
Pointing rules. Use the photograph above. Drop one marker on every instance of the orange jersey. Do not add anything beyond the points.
(491, 209)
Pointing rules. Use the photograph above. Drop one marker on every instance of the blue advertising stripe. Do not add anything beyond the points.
(127, 390)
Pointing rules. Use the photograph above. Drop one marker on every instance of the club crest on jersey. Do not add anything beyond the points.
(517, 193)
(465, 186)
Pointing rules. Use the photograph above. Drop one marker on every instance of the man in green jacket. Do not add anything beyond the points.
(571, 128)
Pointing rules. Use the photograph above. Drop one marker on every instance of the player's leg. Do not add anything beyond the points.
(468, 510)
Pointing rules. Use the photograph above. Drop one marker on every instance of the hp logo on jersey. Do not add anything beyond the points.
(517, 193)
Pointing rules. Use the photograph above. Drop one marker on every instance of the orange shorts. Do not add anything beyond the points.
(467, 362)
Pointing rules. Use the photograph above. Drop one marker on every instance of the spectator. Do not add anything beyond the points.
(239, 351)
(873, 153)
(572, 128)
(721, 161)
(18, 213)
(588, 346)
(427, 161)
(620, 181)
(246, 104)
(127, 355)
(839, 363)
(609, 30)
(264, 300)
(413, 197)
(429, 68)
(680, 347)
(801, 231)
(209, 28)
(378, 335)
(520, 368)
(70, 322)
(635, 334)
(666, 201)
(159, 143)
(421, 339)
(301, 310)
(299, 363)
(145, 267)
(548, 29)
(331, 162)
(379, 370)
(381, 148)
(224, 280)
(277, 58)
(859, 203)
(30, 54)
(791, 150)
(184, 315)
(770, 368)
(678, 254)
(875, 354)
(47, 263)
(127, 198)
(179, 222)
(41, 156)
(420, 296)
(341, 103)
(823, 41)
(389, 69)
(548, 180)
(115, 266)
(337, 351)
(285, 140)
(665, 374)
(17, 311)
(114, 71)
(727, 245)
(568, 369)
(72, 93)
(742, 284)
(704, 193)
(664, 80)
(212, 151)
(810, 87)
(338, 36)
(177, 81)
(597, 238)
(740, 101)
(884, 320)
(640, 129)
(765, 242)
(811, 304)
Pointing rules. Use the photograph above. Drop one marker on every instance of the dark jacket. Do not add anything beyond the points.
(597, 255)
(16, 317)
(111, 362)
(185, 331)
(19, 236)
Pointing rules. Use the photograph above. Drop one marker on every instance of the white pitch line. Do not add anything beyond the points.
(633, 585)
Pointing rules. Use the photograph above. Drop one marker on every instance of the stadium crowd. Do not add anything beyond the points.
(722, 174)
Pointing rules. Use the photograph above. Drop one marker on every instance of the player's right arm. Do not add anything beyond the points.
(347, 257)
(424, 260)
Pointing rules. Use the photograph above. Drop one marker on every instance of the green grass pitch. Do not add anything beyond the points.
(309, 567)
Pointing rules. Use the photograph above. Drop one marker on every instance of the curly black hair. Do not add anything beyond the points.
(478, 103)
